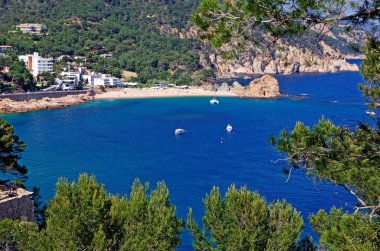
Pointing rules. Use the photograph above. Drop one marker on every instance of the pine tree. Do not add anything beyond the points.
(11, 148)
(242, 220)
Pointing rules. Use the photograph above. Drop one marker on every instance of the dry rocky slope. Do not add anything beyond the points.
(319, 50)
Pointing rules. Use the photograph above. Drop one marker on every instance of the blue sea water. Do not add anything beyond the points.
(121, 140)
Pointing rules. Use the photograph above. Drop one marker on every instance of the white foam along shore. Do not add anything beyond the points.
(132, 93)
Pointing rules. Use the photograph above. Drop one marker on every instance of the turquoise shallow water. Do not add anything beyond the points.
(123, 139)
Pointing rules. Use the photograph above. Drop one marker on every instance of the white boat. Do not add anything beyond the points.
(229, 128)
(214, 101)
(179, 131)
(370, 113)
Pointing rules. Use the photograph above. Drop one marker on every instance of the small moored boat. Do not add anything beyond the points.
(214, 101)
(370, 113)
(229, 128)
(179, 131)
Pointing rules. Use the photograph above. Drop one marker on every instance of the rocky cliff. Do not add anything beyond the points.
(285, 56)
(20, 207)
(319, 50)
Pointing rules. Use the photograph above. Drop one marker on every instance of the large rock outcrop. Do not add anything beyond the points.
(264, 87)
(224, 87)
(19, 207)
(46, 103)
(237, 86)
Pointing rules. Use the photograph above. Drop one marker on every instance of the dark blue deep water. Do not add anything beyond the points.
(121, 140)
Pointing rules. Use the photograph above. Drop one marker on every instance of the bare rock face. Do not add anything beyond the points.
(264, 87)
(323, 49)
(224, 87)
(192, 32)
(208, 87)
(19, 207)
(168, 30)
(10, 106)
(236, 86)
(99, 90)
(287, 56)
(91, 93)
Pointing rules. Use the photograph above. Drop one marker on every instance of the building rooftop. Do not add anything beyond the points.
(30, 24)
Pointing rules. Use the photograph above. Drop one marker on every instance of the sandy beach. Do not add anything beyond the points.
(46, 103)
(265, 87)
(159, 93)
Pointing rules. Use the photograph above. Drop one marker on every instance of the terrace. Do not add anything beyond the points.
(8, 193)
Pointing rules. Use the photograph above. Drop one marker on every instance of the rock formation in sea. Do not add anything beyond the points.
(264, 87)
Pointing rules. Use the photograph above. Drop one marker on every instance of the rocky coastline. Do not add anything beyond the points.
(319, 51)
(265, 87)
(285, 58)
(10, 106)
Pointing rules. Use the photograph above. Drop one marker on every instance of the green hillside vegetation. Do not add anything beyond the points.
(132, 13)
(127, 29)
(18, 77)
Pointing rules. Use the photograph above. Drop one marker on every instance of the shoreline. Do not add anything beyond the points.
(159, 93)
(8, 106)
(265, 87)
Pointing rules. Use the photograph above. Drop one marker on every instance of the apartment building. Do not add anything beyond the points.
(98, 79)
(37, 64)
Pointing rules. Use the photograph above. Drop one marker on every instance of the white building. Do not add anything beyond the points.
(97, 79)
(106, 55)
(31, 28)
(37, 64)
(69, 80)
(74, 75)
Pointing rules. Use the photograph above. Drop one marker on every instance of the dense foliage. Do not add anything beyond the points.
(82, 216)
(371, 72)
(222, 20)
(349, 158)
(133, 13)
(127, 29)
(18, 76)
(11, 148)
(242, 220)
(345, 231)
